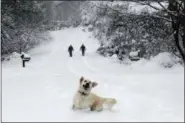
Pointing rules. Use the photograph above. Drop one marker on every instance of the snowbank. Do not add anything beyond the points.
(162, 60)
(15, 55)
(166, 60)
(11, 56)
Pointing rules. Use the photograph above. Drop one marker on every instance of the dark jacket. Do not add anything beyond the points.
(70, 49)
(83, 48)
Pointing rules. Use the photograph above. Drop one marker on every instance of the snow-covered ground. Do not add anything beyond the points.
(43, 91)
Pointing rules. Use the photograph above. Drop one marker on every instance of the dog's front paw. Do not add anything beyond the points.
(73, 107)
(92, 108)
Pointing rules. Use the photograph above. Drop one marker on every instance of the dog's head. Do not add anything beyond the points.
(86, 85)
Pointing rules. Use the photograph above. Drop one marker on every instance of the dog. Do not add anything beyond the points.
(84, 98)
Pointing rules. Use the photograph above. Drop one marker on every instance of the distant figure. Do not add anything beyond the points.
(117, 52)
(70, 50)
(83, 48)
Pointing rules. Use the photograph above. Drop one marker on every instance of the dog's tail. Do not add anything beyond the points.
(109, 102)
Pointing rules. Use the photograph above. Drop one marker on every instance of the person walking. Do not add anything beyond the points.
(83, 49)
(70, 50)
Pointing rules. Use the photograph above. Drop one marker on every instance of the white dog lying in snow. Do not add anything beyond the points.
(85, 99)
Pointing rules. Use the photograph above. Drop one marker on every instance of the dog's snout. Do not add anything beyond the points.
(86, 85)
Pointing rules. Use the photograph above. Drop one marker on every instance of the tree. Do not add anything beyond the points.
(113, 22)
(114, 25)
(176, 13)
(20, 21)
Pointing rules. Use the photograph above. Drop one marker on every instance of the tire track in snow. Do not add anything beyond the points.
(92, 71)
(89, 66)
(72, 70)
(106, 78)
(107, 85)
(99, 71)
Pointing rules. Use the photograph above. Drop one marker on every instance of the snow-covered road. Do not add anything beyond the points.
(43, 91)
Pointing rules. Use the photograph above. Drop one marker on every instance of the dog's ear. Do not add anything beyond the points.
(94, 84)
(81, 79)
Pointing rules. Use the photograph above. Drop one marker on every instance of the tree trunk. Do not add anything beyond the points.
(177, 22)
(20, 48)
(177, 42)
(183, 26)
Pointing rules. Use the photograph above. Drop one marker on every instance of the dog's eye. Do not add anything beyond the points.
(85, 81)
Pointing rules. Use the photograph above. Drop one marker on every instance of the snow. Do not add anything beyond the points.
(138, 8)
(134, 7)
(43, 90)
(134, 53)
(14, 55)
(166, 59)
(25, 55)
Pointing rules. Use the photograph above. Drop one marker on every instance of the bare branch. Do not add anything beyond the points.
(173, 13)
(160, 17)
(181, 7)
(167, 10)
(148, 4)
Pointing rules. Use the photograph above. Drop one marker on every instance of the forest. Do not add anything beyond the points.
(158, 26)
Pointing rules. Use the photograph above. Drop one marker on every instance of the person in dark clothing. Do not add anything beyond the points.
(117, 52)
(83, 48)
(70, 50)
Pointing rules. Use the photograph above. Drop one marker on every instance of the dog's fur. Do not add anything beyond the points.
(84, 98)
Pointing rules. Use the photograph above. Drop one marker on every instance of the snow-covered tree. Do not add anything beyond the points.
(20, 23)
(117, 27)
